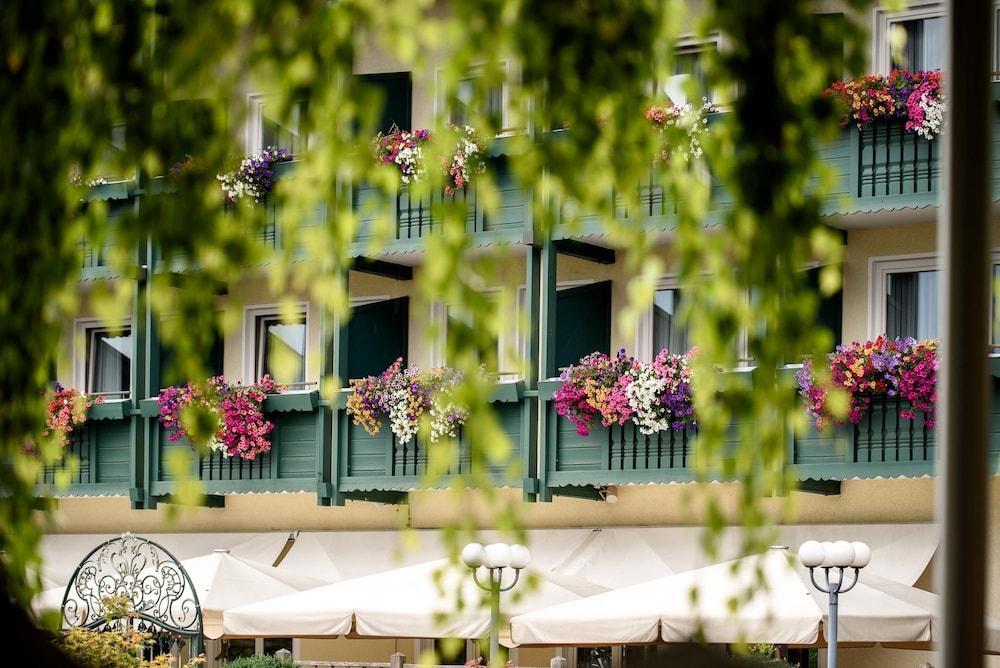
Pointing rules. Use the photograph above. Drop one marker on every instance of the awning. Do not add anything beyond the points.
(428, 600)
(581, 561)
(785, 610)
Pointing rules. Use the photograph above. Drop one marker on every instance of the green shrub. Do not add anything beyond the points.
(259, 662)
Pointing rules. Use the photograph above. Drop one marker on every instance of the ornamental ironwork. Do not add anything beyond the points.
(139, 575)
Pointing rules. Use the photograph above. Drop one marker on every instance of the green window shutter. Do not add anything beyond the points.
(395, 91)
(583, 322)
(376, 335)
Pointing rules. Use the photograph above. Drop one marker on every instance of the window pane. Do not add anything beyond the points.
(924, 47)
(272, 645)
(689, 66)
(281, 349)
(110, 361)
(464, 108)
(593, 657)
(278, 132)
(667, 330)
(911, 304)
(237, 648)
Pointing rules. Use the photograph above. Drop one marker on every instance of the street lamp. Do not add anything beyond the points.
(495, 558)
(838, 555)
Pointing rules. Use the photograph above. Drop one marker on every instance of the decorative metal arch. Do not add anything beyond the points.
(162, 594)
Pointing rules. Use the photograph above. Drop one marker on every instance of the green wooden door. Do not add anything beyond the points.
(583, 322)
(395, 91)
(377, 334)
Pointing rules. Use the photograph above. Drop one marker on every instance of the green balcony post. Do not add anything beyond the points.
(545, 288)
(335, 434)
(139, 376)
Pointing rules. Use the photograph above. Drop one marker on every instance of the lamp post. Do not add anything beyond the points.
(495, 558)
(839, 556)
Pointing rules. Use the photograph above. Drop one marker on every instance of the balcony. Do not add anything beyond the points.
(372, 466)
(290, 466)
(103, 451)
(883, 444)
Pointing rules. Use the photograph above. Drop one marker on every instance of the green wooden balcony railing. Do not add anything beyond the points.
(376, 464)
(290, 466)
(883, 444)
(102, 449)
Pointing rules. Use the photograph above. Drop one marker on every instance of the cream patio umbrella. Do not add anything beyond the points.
(225, 581)
(401, 603)
(713, 603)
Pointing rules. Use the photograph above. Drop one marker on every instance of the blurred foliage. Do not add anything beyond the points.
(175, 74)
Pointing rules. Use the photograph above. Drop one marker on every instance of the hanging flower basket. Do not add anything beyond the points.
(254, 178)
(404, 397)
(67, 410)
(902, 367)
(243, 431)
(404, 149)
(693, 120)
(916, 98)
(655, 397)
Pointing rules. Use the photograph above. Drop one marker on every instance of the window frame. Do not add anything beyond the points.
(692, 43)
(83, 329)
(644, 327)
(254, 138)
(251, 343)
(885, 19)
(880, 268)
(440, 312)
(442, 111)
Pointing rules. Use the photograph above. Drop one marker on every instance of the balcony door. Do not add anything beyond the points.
(377, 334)
(583, 322)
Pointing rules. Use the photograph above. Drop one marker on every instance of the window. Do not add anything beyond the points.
(474, 98)
(395, 96)
(667, 330)
(272, 645)
(689, 72)
(923, 48)
(280, 348)
(494, 363)
(918, 35)
(109, 360)
(238, 648)
(267, 128)
(911, 304)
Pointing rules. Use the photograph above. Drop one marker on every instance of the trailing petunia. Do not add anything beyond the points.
(916, 98)
(693, 120)
(66, 410)
(254, 178)
(467, 160)
(656, 396)
(242, 430)
(902, 367)
(405, 396)
(404, 149)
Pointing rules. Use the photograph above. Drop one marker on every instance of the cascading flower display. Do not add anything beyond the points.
(916, 98)
(656, 396)
(466, 161)
(404, 149)
(254, 178)
(690, 118)
(901, 367)
(405, 396)
(66, 410)
(243, 431)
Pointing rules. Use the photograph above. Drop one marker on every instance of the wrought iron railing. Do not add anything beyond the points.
(78, 447)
